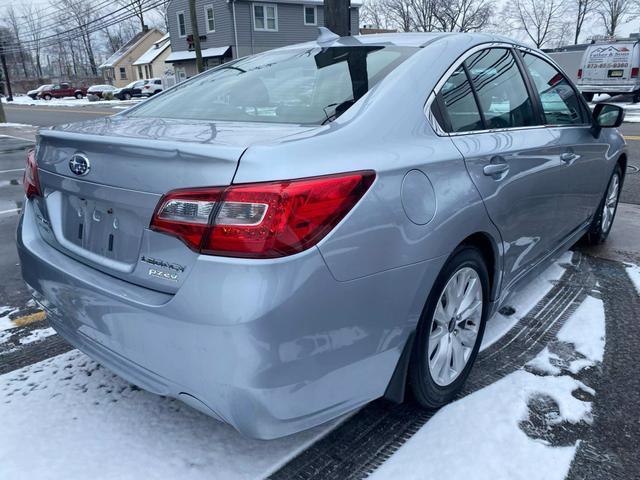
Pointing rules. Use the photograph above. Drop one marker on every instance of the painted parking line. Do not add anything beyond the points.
(632, 137)
(12, 170)
(63, 110)
(38, 316)
(12, 210)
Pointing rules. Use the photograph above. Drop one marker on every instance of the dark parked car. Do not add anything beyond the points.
(134, 89)
(61, 90)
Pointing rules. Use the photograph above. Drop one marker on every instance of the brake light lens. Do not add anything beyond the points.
(579, 73)
(634, 72)
(30, 179)
(261, 220)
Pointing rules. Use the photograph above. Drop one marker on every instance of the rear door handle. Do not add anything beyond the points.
(569, 157)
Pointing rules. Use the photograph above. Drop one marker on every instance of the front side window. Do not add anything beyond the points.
(310, 15)
(209, 18)
(182, 26)
(461, 109)
(265, 17)
(301, 86)
(560, 102)
(502, 94)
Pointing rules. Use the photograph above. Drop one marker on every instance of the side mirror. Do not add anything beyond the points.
(606, 115)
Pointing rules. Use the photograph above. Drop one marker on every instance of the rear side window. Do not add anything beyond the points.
(456, 97)
(560, 103)
(501, 90)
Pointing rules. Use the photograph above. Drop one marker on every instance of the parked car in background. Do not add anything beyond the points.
(612, 68)
(372, 227)
(153, 86)
(34, 93)
(100, 90)
(61, 90)
(134, 89)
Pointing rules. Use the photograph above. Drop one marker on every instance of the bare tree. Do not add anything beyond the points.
(614, 13)
(33, 16)
(464, 15)
(424, 14)
(136, 7)
(540, 20)
(14, 24)
(78, 14)
(583, 9)
(373, 13)
(400, 13)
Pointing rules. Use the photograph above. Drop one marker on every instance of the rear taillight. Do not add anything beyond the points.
(634, 72)
(261, 220)
(579, 73)
(30, 179)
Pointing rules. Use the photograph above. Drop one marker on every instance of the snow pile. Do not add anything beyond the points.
(480, 436)
(634, 274)
(5, 322)
(37, 335)
(69, 102)
(67, 417)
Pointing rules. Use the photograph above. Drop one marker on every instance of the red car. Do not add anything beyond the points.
(62, 90)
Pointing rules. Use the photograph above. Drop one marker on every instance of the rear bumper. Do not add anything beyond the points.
(603, 88)
(270, 347)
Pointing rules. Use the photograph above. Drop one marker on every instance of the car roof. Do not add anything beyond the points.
(409, 39)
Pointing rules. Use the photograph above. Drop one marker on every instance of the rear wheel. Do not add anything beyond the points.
(127, 96)
(450, 330)
(78, 95)
(47, 97)
(603, 219)
(588, 96)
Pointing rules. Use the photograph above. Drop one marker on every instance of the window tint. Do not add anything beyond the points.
(501, 90)
(560, 103)
(459, 103)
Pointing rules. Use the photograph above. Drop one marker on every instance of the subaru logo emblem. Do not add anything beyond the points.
(79, 164)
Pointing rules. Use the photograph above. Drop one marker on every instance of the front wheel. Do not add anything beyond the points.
(127, 96)
(78, 95)
(450, 330)
(603, 219)
(47, 97)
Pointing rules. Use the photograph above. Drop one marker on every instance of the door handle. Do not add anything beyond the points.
(569, 157)
(497, 168)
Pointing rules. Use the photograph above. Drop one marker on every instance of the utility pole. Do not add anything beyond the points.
(5, 71)
(196, 35)
(337, 16)
(3, 118)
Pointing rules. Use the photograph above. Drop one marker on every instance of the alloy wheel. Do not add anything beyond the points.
(456, 323)
(610, 202)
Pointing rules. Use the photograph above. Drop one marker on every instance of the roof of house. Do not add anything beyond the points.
(122, 51)
(191, 55)
(153, 53)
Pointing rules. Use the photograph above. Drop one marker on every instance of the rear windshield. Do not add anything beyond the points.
(302, 86)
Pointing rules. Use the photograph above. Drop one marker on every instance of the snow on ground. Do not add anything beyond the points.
(15, 125)
(70, 102)
(524, 300)
(5, 322)
(634, 274)
(67, 417)
(37, 335)
(479, 436)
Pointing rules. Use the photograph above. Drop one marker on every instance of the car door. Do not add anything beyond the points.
(494, 123)
(583, 171)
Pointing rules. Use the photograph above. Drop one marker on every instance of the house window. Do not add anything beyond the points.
(265, 17)
(123, 73)
(209, 18)
(150, 71)
(182, 26)
(310, 15)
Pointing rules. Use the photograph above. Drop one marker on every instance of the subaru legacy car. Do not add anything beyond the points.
(286, 237)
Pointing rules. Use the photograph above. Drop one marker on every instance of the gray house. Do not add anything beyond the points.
(236, 28)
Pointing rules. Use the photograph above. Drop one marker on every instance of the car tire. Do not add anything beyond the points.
(78, 95)
(127, 96)
(47, 97)
(445, 337)
(588, 96)
(604, 216)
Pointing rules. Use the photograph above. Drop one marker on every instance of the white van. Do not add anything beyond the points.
(610, 68)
